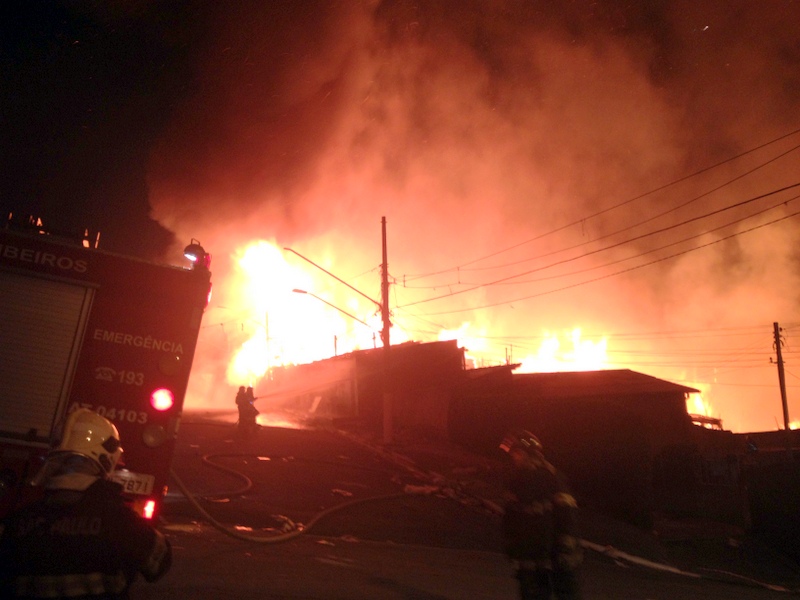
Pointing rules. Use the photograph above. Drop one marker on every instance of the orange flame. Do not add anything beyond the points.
(473, 343)
(266, 325)
(696, 404)
(278, 327)
(574, 355)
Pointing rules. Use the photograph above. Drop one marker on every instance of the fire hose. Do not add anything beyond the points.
(607, 551)
(271, 539)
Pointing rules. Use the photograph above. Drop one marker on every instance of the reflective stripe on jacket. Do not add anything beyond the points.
(540, 523)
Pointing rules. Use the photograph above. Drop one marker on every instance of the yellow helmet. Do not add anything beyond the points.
(88, 434)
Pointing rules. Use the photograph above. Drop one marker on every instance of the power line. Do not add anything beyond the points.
(621, 204)
(646, 252)
(665, 246)
(664, 213)
(636, 267)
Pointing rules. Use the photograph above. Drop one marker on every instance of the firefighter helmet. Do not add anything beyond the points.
(521, 439)
(88, 434)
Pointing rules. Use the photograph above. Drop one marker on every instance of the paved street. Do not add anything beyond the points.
(329, 517)
(328, 568)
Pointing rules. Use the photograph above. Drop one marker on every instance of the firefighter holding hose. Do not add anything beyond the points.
(247, 411)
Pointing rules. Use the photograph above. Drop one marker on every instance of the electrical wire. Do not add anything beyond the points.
(621, 243)
(641, 254)
(623, 203)
(594, 280)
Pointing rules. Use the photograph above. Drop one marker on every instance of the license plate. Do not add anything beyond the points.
(134, 483)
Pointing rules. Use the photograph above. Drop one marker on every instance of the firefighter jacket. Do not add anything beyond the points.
(540, 522)
(247, 411)
(79, 544)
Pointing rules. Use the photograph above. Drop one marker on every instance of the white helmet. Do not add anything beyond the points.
(88, 434)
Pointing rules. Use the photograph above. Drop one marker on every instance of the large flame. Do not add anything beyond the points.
(517, 216)
(567, 353)
(273, 312)
(277, 319)
(698, 405)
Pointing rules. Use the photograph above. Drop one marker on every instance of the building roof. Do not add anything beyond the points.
(576, 384)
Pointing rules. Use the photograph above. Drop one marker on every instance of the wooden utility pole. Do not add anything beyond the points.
(385, 289)
(782, 381)
(781, 375)
(383, 305)
(388, 432)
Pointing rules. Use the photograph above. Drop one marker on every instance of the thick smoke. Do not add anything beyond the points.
(526, 132)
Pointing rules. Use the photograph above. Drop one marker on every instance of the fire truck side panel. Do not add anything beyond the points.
(97, 330)
(41, 332)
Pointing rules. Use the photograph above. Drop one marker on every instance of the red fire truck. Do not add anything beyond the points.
(80, 327)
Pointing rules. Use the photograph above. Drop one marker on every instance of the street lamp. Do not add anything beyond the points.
(383, 306)
(341, 310)
(385, 336)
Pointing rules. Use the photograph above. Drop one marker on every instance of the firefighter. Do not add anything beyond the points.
(251, 399)
(241, 400)
(540, 523)
(247, 411)
(80, 540)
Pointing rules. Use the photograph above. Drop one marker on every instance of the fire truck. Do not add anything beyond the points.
(80, 327)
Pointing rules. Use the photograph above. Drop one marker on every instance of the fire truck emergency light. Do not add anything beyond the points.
(197, 254)
(145, 507)
(162, 399)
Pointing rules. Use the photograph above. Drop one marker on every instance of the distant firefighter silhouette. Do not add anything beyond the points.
(247, 411)
(540, 523)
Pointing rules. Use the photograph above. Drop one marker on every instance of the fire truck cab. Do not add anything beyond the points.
(80, 327)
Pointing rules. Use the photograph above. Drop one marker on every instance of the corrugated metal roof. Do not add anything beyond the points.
(595, 383)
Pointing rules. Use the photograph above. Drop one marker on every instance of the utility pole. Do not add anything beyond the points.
(384, 289)
(782, 380)
(388, 433)
(383, 305)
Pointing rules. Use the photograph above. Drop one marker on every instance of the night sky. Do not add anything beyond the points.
(236, 101)
(88, 88)
(533, 158)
